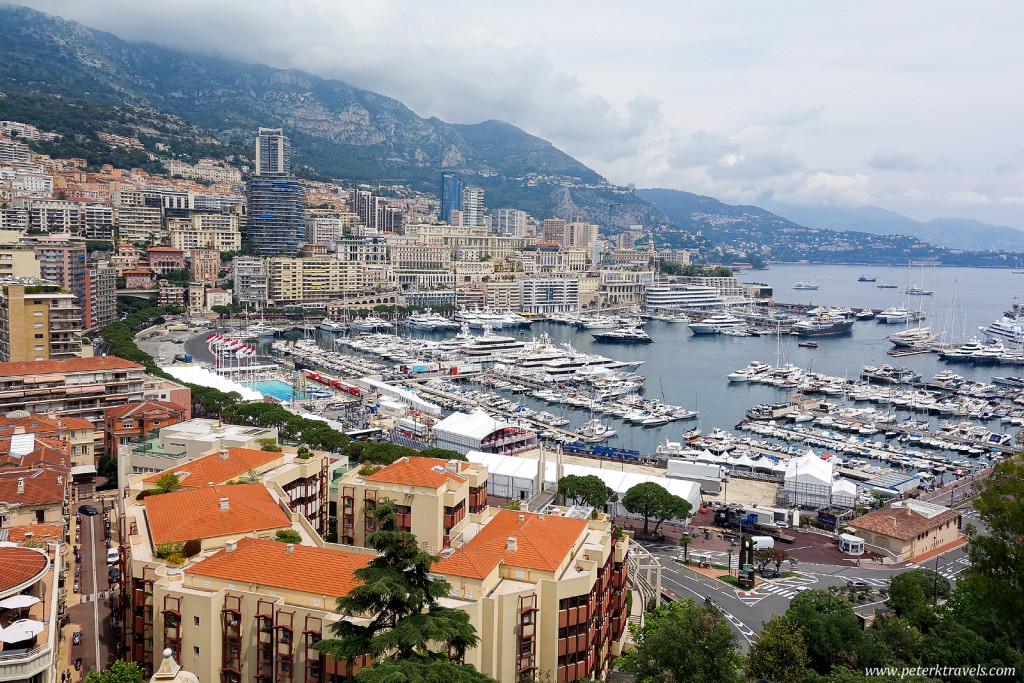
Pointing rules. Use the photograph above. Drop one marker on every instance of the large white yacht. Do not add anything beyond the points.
(485, 348)
(328, 325)
(717, 323)
(429, 320)
(1009, 330)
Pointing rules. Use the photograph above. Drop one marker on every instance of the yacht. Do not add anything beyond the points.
(822, 326)
(894, 315)
(915, 290)
(328, 325)
(992, 352)
(913, 337)
(865, 314)
(1009, 330)
(631, 334)
(371, 323)
(429, 320)
(805, 285)
(865, 278)
(599, 322)
(595, 430)
(487, 347)
(717, 323)
(886, 285)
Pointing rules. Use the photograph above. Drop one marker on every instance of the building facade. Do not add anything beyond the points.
(451, 196)
(250, 281)
(274, 198)
(38, 321)
(549, 295)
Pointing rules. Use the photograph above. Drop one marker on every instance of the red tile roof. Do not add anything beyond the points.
(33, 424)
(266, 563)
(143, 409)
(44, 484)
(542, 542)
(45, 451)
(65, 365)
(196, 513)
(213, 468)
(18, 565)
(415, 471)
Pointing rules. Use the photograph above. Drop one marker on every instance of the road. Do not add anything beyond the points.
(93, 612)
(746, 611)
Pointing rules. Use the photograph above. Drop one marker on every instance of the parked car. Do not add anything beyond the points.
(857, 585)
(88, 510)
(114, 575)
(770, 573)
(801, 589)
(113, 556)
(76, 638)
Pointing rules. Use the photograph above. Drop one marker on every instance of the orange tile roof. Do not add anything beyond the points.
(196, 513)
(65, 365)
(415, 471)
(45, 451)
(146, 408)
(33, 424)
(901, 522)
(213, 468)
(46, 532)
(18, 565)
(542, 542)
(265, 563)
(75, 423)
(44, 484)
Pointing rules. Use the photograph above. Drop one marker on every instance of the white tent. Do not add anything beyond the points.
(466, 432)
(808, 481)
(844, 493)
(399, 394)
(514, 477)
(193, 374)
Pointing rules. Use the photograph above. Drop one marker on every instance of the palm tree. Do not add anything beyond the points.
(684, 541)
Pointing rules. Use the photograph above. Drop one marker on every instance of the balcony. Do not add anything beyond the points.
(25, 665)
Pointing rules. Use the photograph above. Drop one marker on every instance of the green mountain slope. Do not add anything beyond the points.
(345, 132)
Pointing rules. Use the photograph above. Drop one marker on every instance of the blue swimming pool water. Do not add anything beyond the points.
(273, 387)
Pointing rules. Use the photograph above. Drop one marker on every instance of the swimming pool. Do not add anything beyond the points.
(273, 387)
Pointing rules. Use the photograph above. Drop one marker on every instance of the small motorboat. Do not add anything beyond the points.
(808, 344)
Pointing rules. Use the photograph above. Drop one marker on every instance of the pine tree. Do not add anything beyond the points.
(398, 594)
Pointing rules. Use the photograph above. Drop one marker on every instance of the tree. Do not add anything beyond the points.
(779, 655)
(398, 595)
(167, 483)
(684, 541)
(590, 489)
(442, 454)
(830, 629)
(118, 672)
(652, 500)
(107, 468)
(288, 536)
(682, 642)
(995, 577)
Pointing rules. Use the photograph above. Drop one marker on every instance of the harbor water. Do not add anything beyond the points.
(690, 370)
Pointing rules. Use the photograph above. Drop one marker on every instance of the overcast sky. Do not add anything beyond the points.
(913, 106)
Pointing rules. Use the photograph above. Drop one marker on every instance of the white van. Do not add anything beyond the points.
(763, 542)
(113, 557)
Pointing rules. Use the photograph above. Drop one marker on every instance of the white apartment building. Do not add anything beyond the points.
(473, 206)
(549, 295)
(509, 222)
(315, 279)
(250, 281)
(680, 296)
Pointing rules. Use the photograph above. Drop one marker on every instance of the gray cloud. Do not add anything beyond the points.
(688, 95)
(892, 160)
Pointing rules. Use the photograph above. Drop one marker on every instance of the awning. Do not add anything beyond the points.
(18, 601)
(83, 470)
(23, 629)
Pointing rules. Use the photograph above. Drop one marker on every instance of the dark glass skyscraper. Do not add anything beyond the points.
(274, 198)
(451, 195)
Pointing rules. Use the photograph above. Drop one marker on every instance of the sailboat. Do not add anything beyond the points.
(915, 337)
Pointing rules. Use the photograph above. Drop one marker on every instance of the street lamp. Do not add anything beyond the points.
(730, 561)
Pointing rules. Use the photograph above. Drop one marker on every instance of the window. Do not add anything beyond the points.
(37, 325)
(195, 650)
(195, 621)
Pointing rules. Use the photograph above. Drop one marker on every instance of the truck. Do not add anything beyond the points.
(762, 542)
(183, 357)
(749, 523)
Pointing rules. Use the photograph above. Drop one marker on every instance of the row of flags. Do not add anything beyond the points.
(224, 344)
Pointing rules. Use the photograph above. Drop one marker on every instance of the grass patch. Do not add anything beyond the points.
(731, 580)
(786, 575)
(721, 567)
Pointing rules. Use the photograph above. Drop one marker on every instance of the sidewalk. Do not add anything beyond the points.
(942, 549)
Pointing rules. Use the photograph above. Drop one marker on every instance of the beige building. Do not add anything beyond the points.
(204, 264)
(624, 287)
(219, 231)
(38, 321)
(433, 499)
(908, 529)
(19, 260)
(136, 222)
(293, 280)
